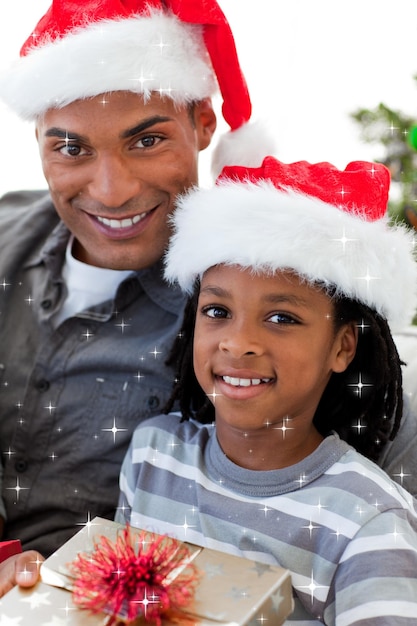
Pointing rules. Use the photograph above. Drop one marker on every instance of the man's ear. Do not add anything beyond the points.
(346, 342)
(205, 122)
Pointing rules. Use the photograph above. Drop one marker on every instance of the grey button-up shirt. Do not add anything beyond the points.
(70, 398)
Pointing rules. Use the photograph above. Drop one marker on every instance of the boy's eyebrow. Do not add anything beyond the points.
(61, 133)
(285, 297)
(272, 298)
(215, 291)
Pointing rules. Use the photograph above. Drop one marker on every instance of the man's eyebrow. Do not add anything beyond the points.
(54, 131)
(64, 134)
(144, 125)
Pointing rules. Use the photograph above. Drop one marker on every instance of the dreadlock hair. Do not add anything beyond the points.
(363, 404)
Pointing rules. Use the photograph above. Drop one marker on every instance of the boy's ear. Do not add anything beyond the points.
(345, 347)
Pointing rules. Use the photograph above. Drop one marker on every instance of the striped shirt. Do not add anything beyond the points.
(345, 531)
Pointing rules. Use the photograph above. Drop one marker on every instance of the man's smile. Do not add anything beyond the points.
(126, 222)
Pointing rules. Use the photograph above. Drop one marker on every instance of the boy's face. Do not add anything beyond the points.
(264, 350)
(114, 165)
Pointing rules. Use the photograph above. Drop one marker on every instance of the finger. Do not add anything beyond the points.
(27, 568)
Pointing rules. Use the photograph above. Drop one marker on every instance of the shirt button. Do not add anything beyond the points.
(21, 465)
(46, 304)
(42, 384)
(153, 402)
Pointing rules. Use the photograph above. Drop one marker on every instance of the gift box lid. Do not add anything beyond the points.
(231, 590)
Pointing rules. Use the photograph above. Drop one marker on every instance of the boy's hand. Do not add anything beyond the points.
(20, 569)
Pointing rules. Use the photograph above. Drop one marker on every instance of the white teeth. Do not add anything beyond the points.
(244, 382)
(121, 223)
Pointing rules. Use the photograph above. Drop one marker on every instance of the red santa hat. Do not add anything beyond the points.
(327, 225)
(181, 49)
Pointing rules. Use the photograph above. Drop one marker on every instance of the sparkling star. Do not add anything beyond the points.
(29, 299)
(123, 508)
(265, 509)
(392, 128)
(155, 352)
(88, 524)
(360, 510)
(337, 533)
(122, 325)
(312, 587)
(362, 326)
(359, 426)
(343, 192)
(396, 534)
(311, 527)
(139, 376)
(359, 385)
(185, 526)
(401, 475)
(368, 278)
(114, 430)
(283, 428)
(9, 452)
(320, 506)
(153, 599)
(214, 395)
(17, 488)
(239, 592)
(301, 480)
(161, 45)
(50, 407)
(87, 334)
(4, 284)
(142, 79)
(164, 91)
(344, 240)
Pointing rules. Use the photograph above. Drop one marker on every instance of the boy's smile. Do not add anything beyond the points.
(264, 350)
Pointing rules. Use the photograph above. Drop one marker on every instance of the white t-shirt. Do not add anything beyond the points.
(87, 285)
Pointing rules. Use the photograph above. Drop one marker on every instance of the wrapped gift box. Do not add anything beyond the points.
(232, 590)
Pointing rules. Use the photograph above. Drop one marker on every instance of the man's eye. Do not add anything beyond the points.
(148, 142)
(72, 150)
(215, 312)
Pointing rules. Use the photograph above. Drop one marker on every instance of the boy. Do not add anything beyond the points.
(286, 346)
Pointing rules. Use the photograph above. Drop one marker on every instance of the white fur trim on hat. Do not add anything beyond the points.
(256, 226)
(246, 146)
(142, 54)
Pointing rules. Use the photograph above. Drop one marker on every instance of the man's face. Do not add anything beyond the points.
(114, 166)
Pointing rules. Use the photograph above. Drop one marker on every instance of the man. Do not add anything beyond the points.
(120, 93)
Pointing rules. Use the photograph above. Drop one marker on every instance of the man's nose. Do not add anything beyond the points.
(112, 182)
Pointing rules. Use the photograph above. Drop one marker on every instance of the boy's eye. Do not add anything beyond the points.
(215, 312)
(281, 318)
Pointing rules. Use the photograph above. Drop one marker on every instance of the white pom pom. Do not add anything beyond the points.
(247, 146)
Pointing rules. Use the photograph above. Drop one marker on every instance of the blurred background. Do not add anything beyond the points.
(310, 65)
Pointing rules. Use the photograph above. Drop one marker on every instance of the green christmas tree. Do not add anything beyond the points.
(395, 132)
